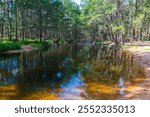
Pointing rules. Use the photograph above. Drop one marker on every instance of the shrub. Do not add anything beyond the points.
(4, 46)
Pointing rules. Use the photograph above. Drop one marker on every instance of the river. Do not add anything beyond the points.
(69, 72)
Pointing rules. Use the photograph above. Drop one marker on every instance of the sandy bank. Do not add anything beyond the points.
(142, 91)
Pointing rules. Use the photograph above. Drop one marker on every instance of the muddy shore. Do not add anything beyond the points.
(141, 91)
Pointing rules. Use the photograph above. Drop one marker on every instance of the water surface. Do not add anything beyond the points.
(69, 72)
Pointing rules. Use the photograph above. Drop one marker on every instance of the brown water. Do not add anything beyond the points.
(69, 72)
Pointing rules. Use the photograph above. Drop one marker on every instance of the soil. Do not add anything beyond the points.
(142, 54)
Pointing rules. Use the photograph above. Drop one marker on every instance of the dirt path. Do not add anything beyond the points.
(142, 91)
(23, 49)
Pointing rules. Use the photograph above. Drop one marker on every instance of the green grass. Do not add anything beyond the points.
(4, 46)
(35, 42)
(144, 48)
(130, 46)
(29, 41)
(147, 48)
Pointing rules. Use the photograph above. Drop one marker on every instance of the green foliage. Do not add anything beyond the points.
(40, 19)
(118, 28)
(117, 20)
(64, 20)
(4, 46)
(30, 41)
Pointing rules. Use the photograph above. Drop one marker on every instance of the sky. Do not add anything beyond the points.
(77, 1)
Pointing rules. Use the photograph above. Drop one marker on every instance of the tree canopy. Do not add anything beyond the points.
(96, 20)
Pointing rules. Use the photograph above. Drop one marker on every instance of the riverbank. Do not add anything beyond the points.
(25, 48)
(7, 46)
(142, 55)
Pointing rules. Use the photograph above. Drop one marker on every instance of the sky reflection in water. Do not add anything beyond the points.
(68, 72)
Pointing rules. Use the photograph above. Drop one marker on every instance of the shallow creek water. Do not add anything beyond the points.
(69, 72)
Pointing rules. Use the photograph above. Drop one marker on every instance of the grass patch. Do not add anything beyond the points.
(147, 48)
(29, 41)
(138, 48)
(36, 42)
(4, 46)
(130, 46)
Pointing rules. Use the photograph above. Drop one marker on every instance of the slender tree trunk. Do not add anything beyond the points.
(16, 20)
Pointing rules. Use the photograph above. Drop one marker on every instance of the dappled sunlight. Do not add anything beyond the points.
(8, 92)
(100, 88)
(41, 96)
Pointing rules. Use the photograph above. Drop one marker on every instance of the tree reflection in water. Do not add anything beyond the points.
(69, 72)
